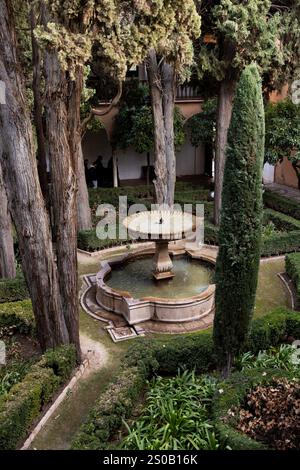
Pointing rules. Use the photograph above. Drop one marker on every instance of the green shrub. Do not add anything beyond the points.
(24, 401)
(282, 204)
(12, 290)
(61, 360)
(18, 315)
(230, 396)
(114, 405)
(292, 266)
(237, 264)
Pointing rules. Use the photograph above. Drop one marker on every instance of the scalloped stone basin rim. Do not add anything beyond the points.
(152, 308)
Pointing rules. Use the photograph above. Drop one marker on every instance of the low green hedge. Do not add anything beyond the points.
(192, 196)
(87, 240)
(114, 405)
(12, 290)
(292, 266)
(282, 204)
(275, 244)
(147, 357)
(281, 243)
(282, 222)
(18, 315)
(231, 394)
(20, 407)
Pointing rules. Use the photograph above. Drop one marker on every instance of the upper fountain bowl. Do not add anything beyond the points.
(160, 225)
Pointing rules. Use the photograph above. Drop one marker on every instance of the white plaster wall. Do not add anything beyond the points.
(268, 173)
(130, 164)
(189, 161)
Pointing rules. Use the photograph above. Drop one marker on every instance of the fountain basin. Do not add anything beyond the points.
(139, 306)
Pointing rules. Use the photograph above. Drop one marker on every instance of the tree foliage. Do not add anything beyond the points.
(134, 122)
(241, 220)
(203, 125)
(283, 134)
(122, 31)
(247, 29)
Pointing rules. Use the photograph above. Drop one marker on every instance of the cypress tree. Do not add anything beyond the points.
(241, 220)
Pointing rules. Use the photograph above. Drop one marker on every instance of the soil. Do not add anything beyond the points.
(21, 347)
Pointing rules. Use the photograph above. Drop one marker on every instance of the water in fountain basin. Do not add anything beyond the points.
(191, 278)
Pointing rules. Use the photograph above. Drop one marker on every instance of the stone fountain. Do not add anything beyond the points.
(160, 226)
(125, 286)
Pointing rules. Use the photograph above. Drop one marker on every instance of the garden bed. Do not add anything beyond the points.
(165, 357)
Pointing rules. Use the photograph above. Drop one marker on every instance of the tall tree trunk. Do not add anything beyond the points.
(162, 83)
(38, 109)
(169, 84)
(225, 102)
(160, 163)
(25, 198)
(148, 169)
(115, 169)
(7, 255)
(296, 167)
(62, 117)
(84, 217)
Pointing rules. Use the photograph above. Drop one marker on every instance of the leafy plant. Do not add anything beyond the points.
(176, 415)
(283, 134)
(268, 230)
(282, 358)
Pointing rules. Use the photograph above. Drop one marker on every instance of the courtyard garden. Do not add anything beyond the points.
(149, 301)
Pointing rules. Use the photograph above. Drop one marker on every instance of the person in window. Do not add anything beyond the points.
(93, 176)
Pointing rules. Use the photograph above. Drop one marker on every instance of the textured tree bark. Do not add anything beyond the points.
(62, 118)
(160, 163)
(26, 203)
(38, 110)
(296, 167)
(84, 217)
(169, 82)
(225, 104)
(7, 255)
(115, 169)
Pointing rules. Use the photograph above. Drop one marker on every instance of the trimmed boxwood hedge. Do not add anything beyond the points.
(282, 204)
(282, 222)
(23, 403)
(279, 243)
(292, 266)
(18, 315)
(12, 290)
(87, 240)
(115, 404)
(147, 357)
(233, 394)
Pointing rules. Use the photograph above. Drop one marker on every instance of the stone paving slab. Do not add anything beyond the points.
(287, 191)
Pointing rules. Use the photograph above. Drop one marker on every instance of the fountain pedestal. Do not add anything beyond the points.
(162, 263)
